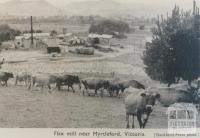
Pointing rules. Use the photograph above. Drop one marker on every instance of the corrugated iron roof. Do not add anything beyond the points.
(104, 36)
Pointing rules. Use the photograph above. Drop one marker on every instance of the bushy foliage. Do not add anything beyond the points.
(141, 27)
(7, 33)
(174, 50)
(53, 33)
(112, 27)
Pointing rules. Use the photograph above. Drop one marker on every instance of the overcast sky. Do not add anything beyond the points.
(183, 3)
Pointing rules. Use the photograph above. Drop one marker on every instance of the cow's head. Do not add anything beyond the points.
(10, 75)
(150, 101)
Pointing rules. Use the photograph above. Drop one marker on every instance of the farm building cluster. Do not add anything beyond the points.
(62, 43)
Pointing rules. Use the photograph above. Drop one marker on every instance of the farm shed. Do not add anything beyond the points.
(21, 42)
(103, 39)
(52, 46)
(24, 41)
(37, 35)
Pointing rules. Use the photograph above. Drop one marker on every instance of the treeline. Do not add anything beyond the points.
(7, 33)
(77, 19)
(111, 27)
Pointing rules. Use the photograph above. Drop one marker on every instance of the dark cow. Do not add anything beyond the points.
(68, 80)
(114, 88)
(95, 84)
(4, 77)
(140, 105)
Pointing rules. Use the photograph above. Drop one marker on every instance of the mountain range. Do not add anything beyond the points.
(28, 8)
(88, 7)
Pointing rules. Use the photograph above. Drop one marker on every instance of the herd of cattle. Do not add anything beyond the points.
(139, 104)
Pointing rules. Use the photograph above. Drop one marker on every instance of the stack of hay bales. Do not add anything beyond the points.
(85, 51)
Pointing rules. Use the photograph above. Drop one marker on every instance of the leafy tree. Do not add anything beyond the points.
(174, 50)
(141, 27)
(93, 28)
(112, 27)
(53, 33)
(7, 33)
(38, 31)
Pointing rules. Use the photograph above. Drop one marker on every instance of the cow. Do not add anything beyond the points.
(24, 76)
(95, 84)
(43, 80)
(114, 87)
(4, 77)
(131, 83)
(68, 80)
(140, 104)
(121, 86)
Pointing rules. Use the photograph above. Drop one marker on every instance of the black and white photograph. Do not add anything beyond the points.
(117, 64)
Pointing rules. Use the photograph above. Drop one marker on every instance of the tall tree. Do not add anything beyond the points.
(174, 50)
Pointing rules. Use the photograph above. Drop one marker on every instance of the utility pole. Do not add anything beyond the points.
(32, 31)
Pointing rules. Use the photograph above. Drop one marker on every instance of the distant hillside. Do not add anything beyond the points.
(98, 7)
(112, 8)
(27, 8)
(101, 7)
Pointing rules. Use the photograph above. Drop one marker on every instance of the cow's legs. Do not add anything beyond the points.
(58, 86)
(16, 81)
(30, 87)
(139, 120)
(26, 83)
(117, 93)
(6, 83)
(133, 122)
(2, 84)
(72, 89)
(111, 93)
(49, 88)
(127, 120)
(101, 92)
(145, 121)
(95, 91)
(68, 88)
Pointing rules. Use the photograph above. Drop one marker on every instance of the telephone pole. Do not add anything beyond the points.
(32, 31)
